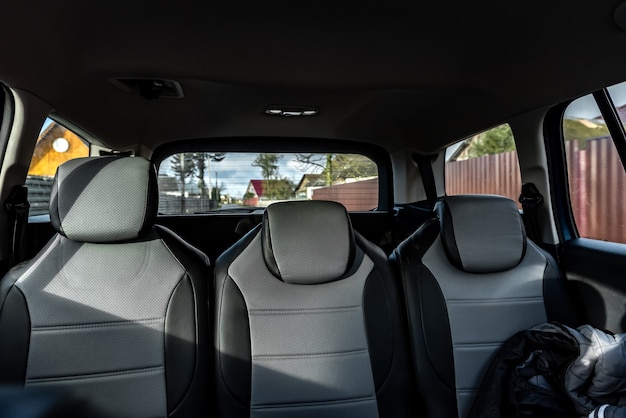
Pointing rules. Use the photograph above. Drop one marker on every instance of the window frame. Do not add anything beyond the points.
(554, 139)
(6, 118)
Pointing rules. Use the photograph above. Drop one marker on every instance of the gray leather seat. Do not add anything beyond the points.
(472, 279)
(113, 309)
(309, 321)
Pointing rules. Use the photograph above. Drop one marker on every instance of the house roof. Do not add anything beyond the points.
(308, 180)
(258, 185)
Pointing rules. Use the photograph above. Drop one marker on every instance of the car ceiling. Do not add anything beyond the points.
(419, 76)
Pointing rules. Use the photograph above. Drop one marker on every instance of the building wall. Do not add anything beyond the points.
(46, 160)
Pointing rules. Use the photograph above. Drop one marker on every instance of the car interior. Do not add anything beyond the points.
(340, 209)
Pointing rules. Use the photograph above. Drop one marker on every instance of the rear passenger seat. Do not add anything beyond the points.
(113, 309)
(309, 321)
(472, 279)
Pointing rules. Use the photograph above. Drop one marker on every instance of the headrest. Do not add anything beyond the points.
(103, 199)
(307, 242)
(481, 233)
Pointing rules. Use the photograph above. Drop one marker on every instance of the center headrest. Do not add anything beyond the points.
(481, 233)
(307, 242)
(103, 199)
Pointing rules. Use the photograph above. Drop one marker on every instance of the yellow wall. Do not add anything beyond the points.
(46, 160)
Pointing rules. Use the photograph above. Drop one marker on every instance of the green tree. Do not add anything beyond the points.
(339, 166)
(200, 160)
(493, 141)
(353, 166)
(323, 162)
(277, 189)
(577, 130)
(268, 163)
(216, 192)
(182, 165)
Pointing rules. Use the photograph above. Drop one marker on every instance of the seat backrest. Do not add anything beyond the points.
(113, 309)
(308, 320)
(472, 279)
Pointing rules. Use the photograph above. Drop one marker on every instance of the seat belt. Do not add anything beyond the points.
(531, 199)
(17, 206)
(424, 164)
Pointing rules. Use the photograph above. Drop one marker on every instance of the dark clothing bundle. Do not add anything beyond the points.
(552, 370)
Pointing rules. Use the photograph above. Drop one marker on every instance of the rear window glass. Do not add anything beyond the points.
(201, 182)
(485, 163)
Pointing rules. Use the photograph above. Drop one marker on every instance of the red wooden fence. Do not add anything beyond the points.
(489, 174)
(597, 189)
(357, 196)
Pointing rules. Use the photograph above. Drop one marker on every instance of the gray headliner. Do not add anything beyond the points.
(417, 76)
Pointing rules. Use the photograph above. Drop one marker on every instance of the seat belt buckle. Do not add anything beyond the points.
(17, 202)
(530, 195)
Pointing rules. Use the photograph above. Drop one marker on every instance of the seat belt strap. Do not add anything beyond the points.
(17, 206)
(531, 199)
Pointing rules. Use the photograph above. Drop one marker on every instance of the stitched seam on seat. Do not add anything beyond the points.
(493, 301)
(98, 325)
(478, 345)
(303, 311)
(307, 404)
(96, 375)
(316, 355)
(467, 390)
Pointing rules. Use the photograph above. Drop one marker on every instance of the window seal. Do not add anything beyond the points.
(6, 118)
(554, 141)
(613, 122)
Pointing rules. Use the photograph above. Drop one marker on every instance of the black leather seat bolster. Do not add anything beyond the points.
(396, 392)
(232, 336)
(431, 341)
(14, 321)
(187, 352)
(557, 298)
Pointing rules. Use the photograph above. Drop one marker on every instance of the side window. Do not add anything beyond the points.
(200, 182)
(595, 172)
(55, 145)
(485, 163)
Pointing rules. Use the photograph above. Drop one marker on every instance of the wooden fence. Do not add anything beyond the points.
(489, 174)
(596, 177)
(597, 189)
(39, 188)
(357, 196)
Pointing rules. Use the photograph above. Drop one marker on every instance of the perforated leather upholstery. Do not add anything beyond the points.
(113, 309)
(472, 279)
(308, 321)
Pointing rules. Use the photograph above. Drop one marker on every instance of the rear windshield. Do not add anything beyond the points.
(206, 182)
